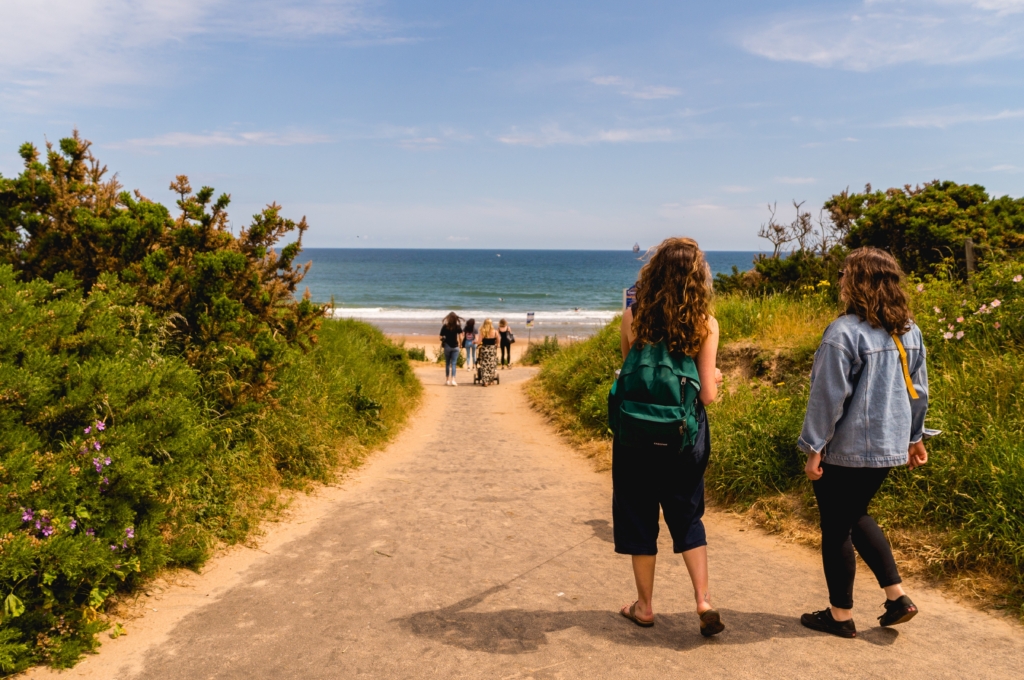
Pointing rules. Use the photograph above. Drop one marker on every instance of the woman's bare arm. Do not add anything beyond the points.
(709, 374)
(626, 332)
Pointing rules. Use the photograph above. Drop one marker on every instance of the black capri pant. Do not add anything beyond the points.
(647, 477)
(843, 495)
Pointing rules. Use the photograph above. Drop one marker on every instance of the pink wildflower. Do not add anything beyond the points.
(996, 303)
(950, 326)
(997, 325)
(942, 319)
(959, 319)
(937, 310)
(100, 425)
(1017, 278)
(88, 430)
(947, 335)
(959, 334)
(920, 288)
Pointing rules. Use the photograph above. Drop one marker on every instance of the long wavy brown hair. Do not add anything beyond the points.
(673, 297)
(451, 322)
(872, 288)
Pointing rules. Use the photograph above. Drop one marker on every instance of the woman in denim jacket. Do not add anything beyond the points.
(865, 415)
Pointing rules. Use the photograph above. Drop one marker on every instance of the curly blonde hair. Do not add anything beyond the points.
(872, 288)
(673, 297)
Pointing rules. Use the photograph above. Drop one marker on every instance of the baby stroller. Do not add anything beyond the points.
(487, 362)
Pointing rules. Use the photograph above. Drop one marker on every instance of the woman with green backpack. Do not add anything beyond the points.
(656, 411)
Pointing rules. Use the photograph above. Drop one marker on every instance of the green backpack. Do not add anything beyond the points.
(654, 399)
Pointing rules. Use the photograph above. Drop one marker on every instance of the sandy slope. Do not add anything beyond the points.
(478, 545)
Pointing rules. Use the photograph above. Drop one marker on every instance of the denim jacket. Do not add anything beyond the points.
(859, 413)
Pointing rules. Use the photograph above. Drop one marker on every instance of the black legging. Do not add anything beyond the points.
(506, 353)
(843, 495)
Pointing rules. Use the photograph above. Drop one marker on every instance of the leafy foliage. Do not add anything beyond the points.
(158, 380)
(926, 225)
(115, 464)
(229, 299)
(539, 352)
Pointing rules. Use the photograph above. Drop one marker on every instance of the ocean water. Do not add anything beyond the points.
(571, 292)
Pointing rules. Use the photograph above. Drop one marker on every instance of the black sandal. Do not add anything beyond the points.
(630, 613)
(711, 623)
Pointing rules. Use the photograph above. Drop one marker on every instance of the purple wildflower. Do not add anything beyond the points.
(27, 515)
(73, 523)
(100, 425)
(106, 461)
(97, 446)
(90, 532)
(48, 530)
(88, 430)
(113, 547)
(97, 464)
(38, 524)
(106, 481)
(130, 532)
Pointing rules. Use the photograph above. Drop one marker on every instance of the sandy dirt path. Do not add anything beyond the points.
(479, 546)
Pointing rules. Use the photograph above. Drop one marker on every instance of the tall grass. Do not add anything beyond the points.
(967, 503)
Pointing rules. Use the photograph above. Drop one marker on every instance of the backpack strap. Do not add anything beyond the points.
(906, 366)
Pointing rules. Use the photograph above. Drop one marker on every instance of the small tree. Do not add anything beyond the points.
(229, 301)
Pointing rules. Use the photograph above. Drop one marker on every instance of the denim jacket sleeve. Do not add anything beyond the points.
(831, 385)
(919, 406)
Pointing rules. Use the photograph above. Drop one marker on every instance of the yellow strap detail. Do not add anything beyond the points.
(906, 367)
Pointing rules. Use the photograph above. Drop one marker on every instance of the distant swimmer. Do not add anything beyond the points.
(575, 309)
(499, 254)
(501, 299)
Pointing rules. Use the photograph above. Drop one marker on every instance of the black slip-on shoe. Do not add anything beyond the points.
(824, 622)
(899, 610)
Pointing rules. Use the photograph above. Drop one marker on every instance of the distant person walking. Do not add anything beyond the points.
(507, 338)
(488, 353)
(469, 342)
(669, 344)
(451, 343)
(865, 415)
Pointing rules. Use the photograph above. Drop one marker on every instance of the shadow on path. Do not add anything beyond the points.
(516, 631)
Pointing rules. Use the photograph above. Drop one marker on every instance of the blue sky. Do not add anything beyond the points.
(522, 124)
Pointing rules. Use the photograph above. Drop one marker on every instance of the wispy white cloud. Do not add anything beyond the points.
(208, 139)
(55, 48)
(1003, 167)
(945, 119)
(795, 180)
(552, 135)
(884, 33)
(629, 89)
(736, 189)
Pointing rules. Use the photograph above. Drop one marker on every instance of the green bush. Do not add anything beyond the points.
(115, 461)
(926, 225)
(416, 353)
(227, 301)
(539, 352)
